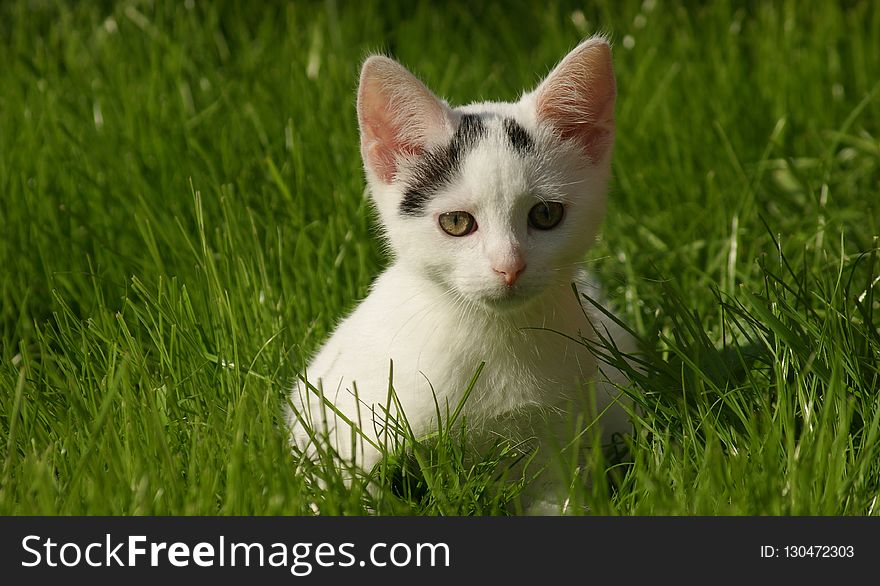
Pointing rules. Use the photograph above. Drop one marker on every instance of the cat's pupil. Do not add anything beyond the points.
(457, 223)
(546, 215)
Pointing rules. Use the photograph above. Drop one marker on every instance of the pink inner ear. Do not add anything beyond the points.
(577, 98)
(397, 115)
(384, 139)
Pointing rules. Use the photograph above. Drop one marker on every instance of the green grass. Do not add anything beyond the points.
(183, 220)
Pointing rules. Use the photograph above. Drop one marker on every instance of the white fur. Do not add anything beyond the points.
(441, 309)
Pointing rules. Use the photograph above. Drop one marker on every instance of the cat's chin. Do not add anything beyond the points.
(506, 304)
(507, 300)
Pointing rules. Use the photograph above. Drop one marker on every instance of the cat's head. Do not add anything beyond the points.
(494, 201)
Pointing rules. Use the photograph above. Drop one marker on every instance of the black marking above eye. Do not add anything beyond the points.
(436, 167)
(519, 138)
(546, 215)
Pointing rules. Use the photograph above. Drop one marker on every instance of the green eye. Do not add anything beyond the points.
(546, 215)
(457, 223)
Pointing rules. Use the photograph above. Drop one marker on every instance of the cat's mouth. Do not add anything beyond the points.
(497, 298)
(507, 298)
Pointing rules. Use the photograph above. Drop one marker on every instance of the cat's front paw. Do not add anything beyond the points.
(544, 508)
(549, 507)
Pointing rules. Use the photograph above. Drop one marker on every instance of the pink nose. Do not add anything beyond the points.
(511, 271)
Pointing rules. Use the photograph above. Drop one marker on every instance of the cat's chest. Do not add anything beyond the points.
(432, 348)
(521, 364)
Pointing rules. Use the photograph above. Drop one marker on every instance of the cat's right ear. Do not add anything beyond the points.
(397, 114)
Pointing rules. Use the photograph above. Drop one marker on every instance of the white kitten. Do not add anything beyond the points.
(489, 210)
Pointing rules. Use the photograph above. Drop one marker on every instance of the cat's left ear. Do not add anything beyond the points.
(398, 116)
(577, 98)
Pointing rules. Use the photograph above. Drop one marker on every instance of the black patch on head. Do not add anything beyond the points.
(519, 139)
(435, 168)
